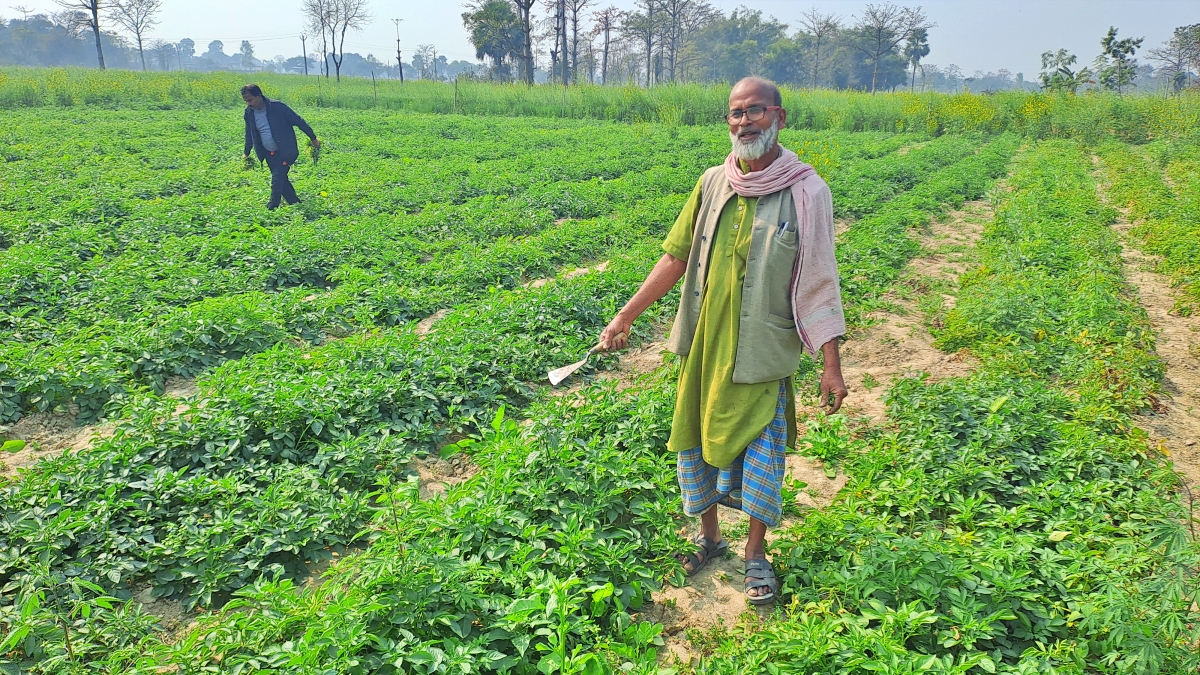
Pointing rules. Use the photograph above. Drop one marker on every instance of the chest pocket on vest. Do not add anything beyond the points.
(781, 257)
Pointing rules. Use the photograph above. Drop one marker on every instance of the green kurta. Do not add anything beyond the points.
(711, 410)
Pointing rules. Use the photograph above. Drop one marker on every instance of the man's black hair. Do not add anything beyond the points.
(252, 89)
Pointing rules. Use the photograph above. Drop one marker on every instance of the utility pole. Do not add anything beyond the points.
(399, 60)
(304, 52)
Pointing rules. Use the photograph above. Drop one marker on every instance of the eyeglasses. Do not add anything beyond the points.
(753, 113)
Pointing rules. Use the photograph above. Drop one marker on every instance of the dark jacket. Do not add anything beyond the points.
(282, 119)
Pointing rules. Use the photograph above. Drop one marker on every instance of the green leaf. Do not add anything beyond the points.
(549, 664)
(998, 403)
(987, 664)
(15, 445)
(1058, 535)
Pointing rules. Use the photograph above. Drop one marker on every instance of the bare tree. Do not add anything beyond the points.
(606, 19)
(333, 19)
(679, 20)
(555, 27)
(90, 11)
(137, 17)
(1178, 56)
(319, 14)
(575, 7)
(642, 28)
(883, 27)
(824, 28)
(163, 51)
(426, 58)
(561, 29)
(524, 9)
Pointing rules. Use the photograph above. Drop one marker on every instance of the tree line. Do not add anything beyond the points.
(880, 47)
(671, 41)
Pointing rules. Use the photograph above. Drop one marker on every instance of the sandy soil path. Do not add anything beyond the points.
(1173, 424)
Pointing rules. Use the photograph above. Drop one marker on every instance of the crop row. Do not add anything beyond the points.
(1013, 521)
(872, 253)
(541, 561)
(317, 280)
(298, 407)
(280, 404)
(262, 466)
(1161, 187)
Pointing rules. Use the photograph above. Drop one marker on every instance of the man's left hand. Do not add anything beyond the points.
(316, 143)
(832, 383)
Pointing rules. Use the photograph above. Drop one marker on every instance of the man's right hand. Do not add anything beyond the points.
(615, 336)
(666, 273)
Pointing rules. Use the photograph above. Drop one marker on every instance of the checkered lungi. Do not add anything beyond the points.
(752, 483)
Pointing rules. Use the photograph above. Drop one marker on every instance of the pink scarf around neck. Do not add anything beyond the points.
(784, 172)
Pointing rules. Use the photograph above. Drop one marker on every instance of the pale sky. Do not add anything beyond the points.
(972, 34)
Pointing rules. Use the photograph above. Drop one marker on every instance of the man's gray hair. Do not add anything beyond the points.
(765, 83)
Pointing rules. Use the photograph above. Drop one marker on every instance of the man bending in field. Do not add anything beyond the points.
(269, 131)
(754, 247)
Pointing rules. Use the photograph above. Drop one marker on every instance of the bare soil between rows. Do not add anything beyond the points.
(49, 434)
(1174, 424)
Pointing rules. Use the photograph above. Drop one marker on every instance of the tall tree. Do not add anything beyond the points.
(679, 20)
(882, 28)
(1179, 56)
(318, 14)
(606, 20)
(737, 45)
(823, 28)
(1115, 66)
(524, 10)
(335, 18)
(1057, 75)
(186, 49)
(247, 52)
(642, 28)
(563, 47)
(137, 17)
(425, 60)
(91, 9)
(163, 52)
(575, 7)
(495, 31)
(916, 49)
(557, 32)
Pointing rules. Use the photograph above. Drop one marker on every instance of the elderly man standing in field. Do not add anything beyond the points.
(754, 247)
(269, 130)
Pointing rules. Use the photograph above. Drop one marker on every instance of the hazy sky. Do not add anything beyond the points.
(972, 34)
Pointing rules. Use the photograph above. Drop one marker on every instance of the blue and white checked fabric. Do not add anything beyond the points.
(752, 483)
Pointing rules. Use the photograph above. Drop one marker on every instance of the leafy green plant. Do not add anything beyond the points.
(1012, 521)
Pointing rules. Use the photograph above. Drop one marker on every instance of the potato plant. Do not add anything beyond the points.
(1013, 521)
(125, 271)
(316, 391)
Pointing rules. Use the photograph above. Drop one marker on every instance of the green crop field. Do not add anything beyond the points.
(260, 395)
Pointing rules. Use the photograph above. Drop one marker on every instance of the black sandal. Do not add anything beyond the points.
(760, 574)
(705, 551)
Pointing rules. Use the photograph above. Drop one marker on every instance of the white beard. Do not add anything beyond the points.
(758, 147)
